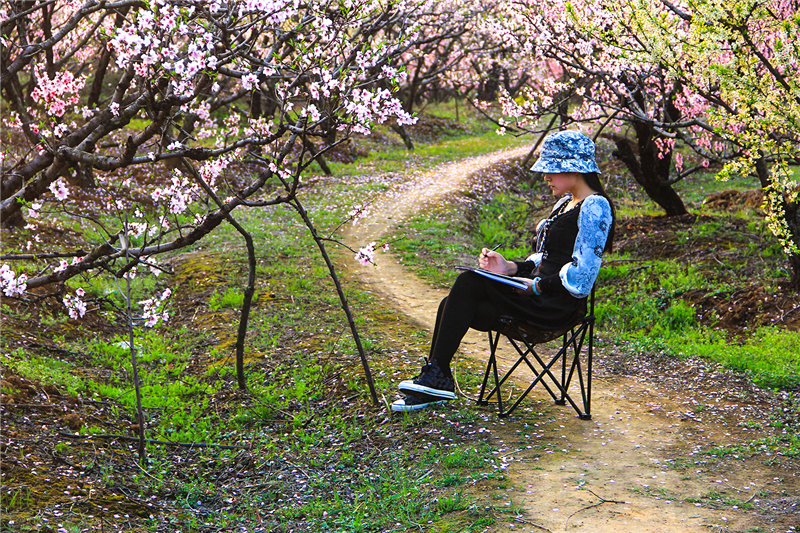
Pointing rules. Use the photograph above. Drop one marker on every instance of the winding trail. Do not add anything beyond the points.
(632, 468)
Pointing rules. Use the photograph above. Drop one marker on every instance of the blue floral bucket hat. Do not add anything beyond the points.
(566, 151)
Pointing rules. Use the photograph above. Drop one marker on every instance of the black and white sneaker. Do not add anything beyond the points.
(432, 384)
(412, 403)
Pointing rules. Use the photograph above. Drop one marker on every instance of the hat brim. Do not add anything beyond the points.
(549, 165)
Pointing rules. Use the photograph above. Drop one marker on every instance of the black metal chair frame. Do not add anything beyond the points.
(525, 340)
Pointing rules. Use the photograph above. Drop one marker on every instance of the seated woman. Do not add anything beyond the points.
(560, 275)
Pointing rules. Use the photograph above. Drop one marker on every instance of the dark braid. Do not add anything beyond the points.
(592, 179)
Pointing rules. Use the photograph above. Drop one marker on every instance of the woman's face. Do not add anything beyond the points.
(562, 182)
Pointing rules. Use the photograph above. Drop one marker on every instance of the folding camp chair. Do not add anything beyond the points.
(525, 339)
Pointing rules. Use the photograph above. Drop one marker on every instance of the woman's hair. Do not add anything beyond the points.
(592, 179)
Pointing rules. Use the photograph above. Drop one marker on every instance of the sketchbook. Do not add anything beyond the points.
(508, 280)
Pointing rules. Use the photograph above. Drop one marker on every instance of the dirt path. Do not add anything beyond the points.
(636, 467)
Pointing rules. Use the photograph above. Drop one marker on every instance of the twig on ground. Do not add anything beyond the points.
(598, 504)
(511, 452)
(529, 523)
(146, 473)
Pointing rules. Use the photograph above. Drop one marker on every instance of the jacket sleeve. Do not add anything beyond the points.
(524, 268)
(594, 223)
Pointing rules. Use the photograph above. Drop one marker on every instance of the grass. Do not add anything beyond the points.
(305, 418)
(318, 456)
(651, 316)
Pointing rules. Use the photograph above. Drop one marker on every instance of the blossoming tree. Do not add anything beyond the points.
(747, 52)
(717, 77)
(591, 67)
(103, 95)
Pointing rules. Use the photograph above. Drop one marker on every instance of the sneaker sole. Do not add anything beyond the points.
(399, 406)
(409, 387)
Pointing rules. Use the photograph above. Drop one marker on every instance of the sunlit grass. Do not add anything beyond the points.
(397, 158)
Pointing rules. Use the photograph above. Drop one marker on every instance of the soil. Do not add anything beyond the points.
(651, 458)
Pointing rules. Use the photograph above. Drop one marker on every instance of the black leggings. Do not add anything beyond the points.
(467, 306)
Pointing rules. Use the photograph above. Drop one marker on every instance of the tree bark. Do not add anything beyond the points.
(342, 297)
(247, 302)
(317, 156)
(134, 359)
(648, 171)
(102, 65)
(401, 131)
(794, 262)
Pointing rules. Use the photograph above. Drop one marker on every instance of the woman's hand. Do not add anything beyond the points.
(529, 290)
(494, 262)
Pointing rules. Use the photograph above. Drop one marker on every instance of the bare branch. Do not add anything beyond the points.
(675, 9)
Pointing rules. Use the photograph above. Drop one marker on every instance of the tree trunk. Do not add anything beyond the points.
(490, 84)
(792, 210)
(401, 131)
(792, 213)
(794, 262)
(649, 172)
(134, 359)
(247, 302)
(342, 298)
(102, 65)
(317, 156)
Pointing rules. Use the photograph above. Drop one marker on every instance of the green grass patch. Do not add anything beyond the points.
(305, 416)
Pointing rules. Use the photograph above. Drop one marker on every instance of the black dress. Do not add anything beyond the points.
(554, 307)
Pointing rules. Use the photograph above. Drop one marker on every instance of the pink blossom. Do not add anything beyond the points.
(312, 112)
(56, 93)
(153, 311)
(33, 209)
(366, 255)
(75, 306)
(678, 161)
(249, 80)
(12, 284)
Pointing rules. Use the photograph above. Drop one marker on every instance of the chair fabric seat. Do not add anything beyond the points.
(535, 335)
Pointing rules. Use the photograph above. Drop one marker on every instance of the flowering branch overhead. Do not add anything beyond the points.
(221, 84)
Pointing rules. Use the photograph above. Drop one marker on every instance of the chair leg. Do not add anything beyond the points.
(545, 371)
(587, 401)
(563, 399)
(576, 342)
(572, 346)
(492, 363)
